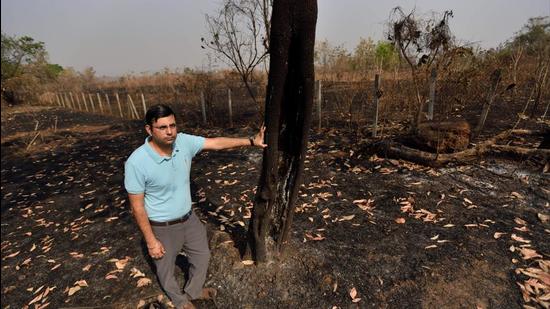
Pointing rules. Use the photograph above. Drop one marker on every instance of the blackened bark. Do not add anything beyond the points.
(289, 101)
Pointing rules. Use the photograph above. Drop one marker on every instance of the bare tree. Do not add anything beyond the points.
(239, 36)
(288, 103)
(420, 43)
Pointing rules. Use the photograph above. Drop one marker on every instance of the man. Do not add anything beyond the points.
(157, 182)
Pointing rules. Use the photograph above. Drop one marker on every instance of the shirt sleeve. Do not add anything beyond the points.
(134, 179)
(193, 143)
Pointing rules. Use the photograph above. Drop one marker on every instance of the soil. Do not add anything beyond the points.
(369, 232)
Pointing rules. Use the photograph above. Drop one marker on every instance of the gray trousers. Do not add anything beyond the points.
(191, 237)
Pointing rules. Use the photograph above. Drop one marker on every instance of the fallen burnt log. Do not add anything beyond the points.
(490, 146)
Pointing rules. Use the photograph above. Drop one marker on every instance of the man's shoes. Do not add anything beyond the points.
(188, 305)
(208, 293)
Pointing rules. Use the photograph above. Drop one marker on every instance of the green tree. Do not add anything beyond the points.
(17, 52)
(25, 69)
(385, 54)
(535, 36)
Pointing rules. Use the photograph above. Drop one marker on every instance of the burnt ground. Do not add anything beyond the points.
(369, 232)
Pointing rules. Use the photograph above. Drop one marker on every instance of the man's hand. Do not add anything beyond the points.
(156, 249)
(259, 138)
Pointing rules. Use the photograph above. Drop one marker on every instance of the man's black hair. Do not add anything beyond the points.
(157, 111)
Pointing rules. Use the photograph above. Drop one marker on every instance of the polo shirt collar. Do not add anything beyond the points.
(155, 156)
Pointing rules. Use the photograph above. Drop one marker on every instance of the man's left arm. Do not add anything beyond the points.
(219, 143)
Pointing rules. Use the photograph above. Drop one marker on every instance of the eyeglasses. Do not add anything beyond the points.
(165, 127)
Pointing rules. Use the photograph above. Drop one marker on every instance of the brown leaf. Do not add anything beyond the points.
(346, 218)
(73, 290)
(353, 293)
(543, 218)
(120, 264)
(317, 236)
(143, 282)
(498, 234)
(400, 220)
(12, 255)
(517, 238)
(136, 273)
(529, 253)
(516, 195)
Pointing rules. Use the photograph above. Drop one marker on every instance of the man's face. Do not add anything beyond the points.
(163, 131)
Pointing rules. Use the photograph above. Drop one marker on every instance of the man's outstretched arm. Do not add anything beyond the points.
(219, 143)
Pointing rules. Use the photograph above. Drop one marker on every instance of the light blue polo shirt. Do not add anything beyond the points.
(163, 180)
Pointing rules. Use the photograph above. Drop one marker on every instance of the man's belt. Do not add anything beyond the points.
(171, 222)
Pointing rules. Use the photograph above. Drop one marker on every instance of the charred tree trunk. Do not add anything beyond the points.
(288, 105)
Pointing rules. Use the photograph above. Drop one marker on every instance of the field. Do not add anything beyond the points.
(369, 231)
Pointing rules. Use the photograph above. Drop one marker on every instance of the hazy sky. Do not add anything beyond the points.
(135, 36)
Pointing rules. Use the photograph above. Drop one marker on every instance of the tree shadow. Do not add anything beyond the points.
(237, 233)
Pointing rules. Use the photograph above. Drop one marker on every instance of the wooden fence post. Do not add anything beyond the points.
(67, 102)
(229, 105)
(78, 102)
(58, 100)
(144, 106)
(319, 103)
(91, 102)
(84, 100)
(72, 100)
(133, 107)
(99, 102)
(108, 104)
(376, 103)
(203, 108)
(433, 78)
(119, 107)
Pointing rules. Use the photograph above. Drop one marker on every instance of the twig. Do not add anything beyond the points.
(32, 141)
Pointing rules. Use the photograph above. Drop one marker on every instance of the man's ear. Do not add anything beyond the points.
(148, 129)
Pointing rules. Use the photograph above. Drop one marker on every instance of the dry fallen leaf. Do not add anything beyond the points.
(346, 218)
(517, 238)
(247, 262)
(498, 234)
(543, 218)
(143, 282)
(136, 273)
(73, 290)
(400, 220)
(516, 195)
(120, 264)
(529, 253)
(353, 293)
(140, 304)
(12, 255)
(430, 247)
